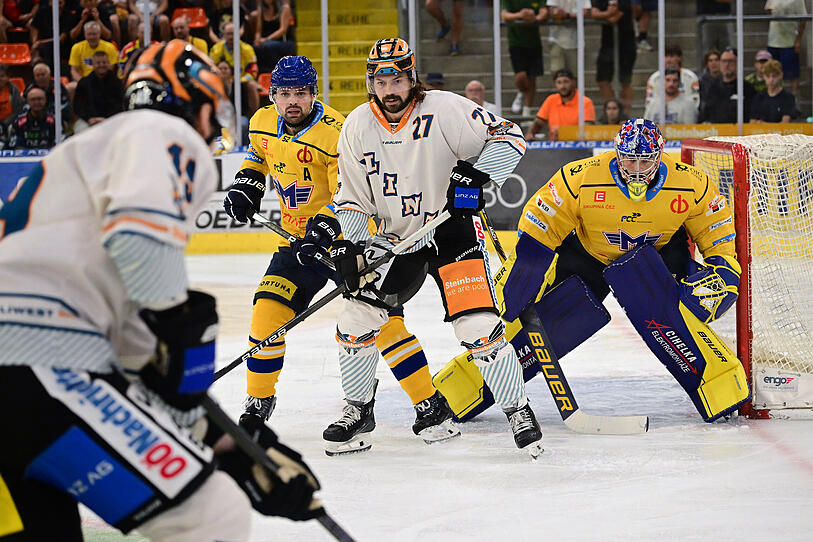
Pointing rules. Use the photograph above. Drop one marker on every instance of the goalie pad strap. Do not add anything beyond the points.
(702, 364)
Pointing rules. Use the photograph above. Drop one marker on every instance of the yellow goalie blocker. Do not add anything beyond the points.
(10, 521)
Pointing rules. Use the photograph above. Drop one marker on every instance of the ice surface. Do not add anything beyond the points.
(684, 480)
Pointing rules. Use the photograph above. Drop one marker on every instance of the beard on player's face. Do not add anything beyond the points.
(393, 103)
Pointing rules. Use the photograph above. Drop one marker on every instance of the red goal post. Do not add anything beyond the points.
(768, 182)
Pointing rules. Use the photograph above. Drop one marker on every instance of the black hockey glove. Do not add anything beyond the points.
(184, 364)
(465, 198)
(287, 493)
(245, 195)
(349, 260)
(322, 230)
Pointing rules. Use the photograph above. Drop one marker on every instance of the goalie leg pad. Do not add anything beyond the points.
(710, 373)
(570, 310)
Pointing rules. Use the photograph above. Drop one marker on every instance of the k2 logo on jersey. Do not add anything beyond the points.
(716, 204)
(547, 209)
(292, 196)
(679, 205)
(627, 242)
(411, 205)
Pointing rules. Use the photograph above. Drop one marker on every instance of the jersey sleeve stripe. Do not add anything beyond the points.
(144, 210)
(152, 225)
(705, 190)
(354, 224)
(564, 180)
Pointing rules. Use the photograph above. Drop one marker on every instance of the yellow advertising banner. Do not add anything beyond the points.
(688, 131)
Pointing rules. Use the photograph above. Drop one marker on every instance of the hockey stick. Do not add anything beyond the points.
(255, 452)
(336, 292)
(572, 416)
(290, 237)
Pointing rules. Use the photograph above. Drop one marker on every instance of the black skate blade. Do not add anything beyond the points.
(359, 443)
(443, 431)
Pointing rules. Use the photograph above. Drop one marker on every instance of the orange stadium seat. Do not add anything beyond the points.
(264, 80)
(15, 53)
(197, 17)
(19, 82)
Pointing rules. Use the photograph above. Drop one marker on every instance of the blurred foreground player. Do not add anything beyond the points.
(619, 221)
(93, 284)
(401, 158)
(294, 140)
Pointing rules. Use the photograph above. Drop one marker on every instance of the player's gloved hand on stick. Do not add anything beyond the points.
(710, 292)
(464, 197)
(528, 270)
(321, 231)
(184, 363)
(245, 195)
(287, 492)
(349, 260)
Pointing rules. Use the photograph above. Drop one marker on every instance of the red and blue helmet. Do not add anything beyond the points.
(294, 72)
(638, 147)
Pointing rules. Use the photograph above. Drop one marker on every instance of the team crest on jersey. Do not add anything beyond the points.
(411, 205)
(292, 196)
(373, 166)
(627, 242)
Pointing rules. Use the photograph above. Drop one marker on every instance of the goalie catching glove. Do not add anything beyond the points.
(464, 197)
(350, 261)
(245, 195)
(184, 364)
(288, 492)
(321, 231)
(710, 291)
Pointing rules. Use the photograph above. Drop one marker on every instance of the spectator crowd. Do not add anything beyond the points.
(96, 40)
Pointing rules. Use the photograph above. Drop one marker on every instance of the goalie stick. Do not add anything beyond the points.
(290, 237)
(255, 452)
(336, 292)
(572, 416)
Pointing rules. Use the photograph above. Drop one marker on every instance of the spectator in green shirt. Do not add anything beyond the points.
(525, 48)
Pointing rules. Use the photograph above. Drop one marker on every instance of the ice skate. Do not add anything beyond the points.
(434, 420)
(527, 433)
(351, 433)
(257, 412)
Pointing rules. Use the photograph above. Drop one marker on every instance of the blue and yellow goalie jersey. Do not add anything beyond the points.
(303, 168)
(589, 196)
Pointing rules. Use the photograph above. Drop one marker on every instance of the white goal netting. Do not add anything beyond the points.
(780, 233)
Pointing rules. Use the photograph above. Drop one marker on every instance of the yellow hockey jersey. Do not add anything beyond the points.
(589, 196)
(303, 167)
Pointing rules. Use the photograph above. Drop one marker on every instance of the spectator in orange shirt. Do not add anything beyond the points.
(562, 108)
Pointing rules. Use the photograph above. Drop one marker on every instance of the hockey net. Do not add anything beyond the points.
(767, 181)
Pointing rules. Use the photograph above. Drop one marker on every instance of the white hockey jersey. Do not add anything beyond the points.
(401, 174)
(64, 300)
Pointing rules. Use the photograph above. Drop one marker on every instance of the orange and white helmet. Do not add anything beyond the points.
(176, 78)
(391, 55)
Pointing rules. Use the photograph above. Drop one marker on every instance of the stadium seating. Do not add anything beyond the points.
(15, 54)
(197, 17)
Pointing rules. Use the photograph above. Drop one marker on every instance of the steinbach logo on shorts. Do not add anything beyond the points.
(143, 443)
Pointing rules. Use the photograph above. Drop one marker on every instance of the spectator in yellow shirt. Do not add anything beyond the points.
(223, 50)
(81, 59)
(180, 29)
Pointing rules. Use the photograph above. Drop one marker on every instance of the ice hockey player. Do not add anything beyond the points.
(620, 221)
(294, 140)
(396, 156)
(92, 268)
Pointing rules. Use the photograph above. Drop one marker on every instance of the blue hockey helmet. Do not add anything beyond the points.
(294, 72)
(638, 147)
